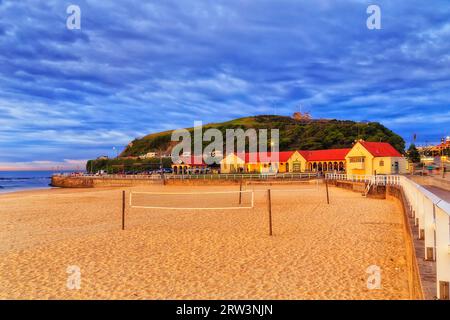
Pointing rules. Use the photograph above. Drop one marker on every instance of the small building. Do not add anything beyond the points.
(148, 155)
(331, 160)
(262, 162)
(371, 158)
(364, 158)
(190, 165)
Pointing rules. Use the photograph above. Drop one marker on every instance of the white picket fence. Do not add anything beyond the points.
(432, 218)
(374, 180)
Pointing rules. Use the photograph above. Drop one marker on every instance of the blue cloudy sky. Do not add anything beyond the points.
(141, 66)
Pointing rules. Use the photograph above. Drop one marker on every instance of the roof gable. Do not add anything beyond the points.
(192, 160)
(380, 149)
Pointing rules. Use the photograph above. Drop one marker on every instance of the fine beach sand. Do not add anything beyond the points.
(318, 251)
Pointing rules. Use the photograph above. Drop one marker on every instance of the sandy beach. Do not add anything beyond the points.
(318, 251)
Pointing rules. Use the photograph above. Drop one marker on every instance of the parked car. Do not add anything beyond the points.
(164, 170)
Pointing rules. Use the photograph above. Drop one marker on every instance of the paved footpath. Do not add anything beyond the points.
(441, 193)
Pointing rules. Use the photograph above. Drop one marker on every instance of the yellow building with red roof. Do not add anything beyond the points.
(364, 158)
(371, 158)
(263, 162)
(190, 164)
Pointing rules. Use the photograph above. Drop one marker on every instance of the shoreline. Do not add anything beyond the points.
(23, 190)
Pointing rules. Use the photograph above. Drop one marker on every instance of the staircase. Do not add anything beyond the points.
(368, 187)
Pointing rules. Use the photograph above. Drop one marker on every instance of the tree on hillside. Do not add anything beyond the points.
(413, 154)
(296, 132)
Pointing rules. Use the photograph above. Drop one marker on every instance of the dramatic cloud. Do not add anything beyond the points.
(137, 67)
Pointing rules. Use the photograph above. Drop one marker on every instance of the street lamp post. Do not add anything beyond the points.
(161, 171)
(443, 158)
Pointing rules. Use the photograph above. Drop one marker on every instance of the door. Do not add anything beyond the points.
(396, 168)
(296, 166)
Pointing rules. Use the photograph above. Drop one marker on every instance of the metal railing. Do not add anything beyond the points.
(431, 215)
(228, 176)
(116, 176)
(244, 176)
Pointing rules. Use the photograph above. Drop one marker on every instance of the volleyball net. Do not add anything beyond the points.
(222, 200)
(287, 186)
(283, 201)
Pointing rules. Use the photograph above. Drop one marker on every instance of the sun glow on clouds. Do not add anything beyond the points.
(137, 67)
(66, 164)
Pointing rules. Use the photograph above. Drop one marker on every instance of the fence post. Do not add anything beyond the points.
(240, 193)
(270, 212)
(123, 210)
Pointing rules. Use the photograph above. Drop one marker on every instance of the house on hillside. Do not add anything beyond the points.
(148, 155)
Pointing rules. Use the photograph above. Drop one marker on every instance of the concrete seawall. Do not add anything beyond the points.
(98, 182)
(71, 182)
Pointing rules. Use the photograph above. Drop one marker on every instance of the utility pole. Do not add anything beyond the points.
(161, 165)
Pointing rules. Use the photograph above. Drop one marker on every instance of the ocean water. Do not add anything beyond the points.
(11, 181)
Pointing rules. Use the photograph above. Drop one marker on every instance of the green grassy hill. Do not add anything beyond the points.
(294, 134)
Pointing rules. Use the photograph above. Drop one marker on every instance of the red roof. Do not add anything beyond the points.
(324, 155)
(193, 160)
(266, 157)
(380, 149)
